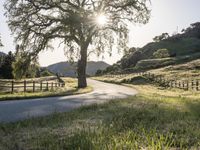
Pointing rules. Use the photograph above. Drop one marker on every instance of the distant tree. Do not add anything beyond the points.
(129, 52)
(99, 72)
(6, 67)
(131, 60)
(193, 30)
(111, 69)
(161, 53)
(161, 37)
(82, 25)
(45, 73)
(2, 58)
(24, 66)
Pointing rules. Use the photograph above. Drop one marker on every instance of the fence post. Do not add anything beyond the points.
(197, 85)
(187, 85)
(47, 86)
(179, 84)
(51, 85)
(192, 85)
(12, 86)
(33, 86)
(24, 85)
(41, 86)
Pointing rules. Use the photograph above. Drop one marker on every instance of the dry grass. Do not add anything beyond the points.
(155, 119)
(187, 71)
(69, 89)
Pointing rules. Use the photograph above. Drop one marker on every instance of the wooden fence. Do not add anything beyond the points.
(29, 86)
(173, 83)
(162, 81)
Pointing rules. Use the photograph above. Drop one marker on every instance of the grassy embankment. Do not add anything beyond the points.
(154, 119)
(69, 89)
(184, 71)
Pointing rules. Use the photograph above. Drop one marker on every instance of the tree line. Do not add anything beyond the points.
(12, 67)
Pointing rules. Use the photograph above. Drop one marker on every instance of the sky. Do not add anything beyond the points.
(167, 16)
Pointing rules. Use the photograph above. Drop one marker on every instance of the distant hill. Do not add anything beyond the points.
(68, 69)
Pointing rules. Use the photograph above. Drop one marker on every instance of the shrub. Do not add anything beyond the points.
(46, 73)
(161, 53)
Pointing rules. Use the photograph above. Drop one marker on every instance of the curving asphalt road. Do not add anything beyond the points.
(11, 111)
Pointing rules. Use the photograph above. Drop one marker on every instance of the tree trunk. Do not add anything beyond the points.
(82, 64)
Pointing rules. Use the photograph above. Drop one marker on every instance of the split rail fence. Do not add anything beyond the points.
(193, 84)
(30, 85)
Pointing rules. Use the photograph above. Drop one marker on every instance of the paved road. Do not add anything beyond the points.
(11, 111)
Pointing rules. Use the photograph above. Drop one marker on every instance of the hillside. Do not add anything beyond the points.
(68, 69)
(180, 48)
(184, 71)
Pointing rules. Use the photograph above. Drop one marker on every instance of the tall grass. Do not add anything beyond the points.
(146, 121)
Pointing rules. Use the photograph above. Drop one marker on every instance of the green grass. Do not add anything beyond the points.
(69, 89)
(155, 119)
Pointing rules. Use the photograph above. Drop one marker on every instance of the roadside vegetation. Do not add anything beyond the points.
(69, 89)
(156, 118)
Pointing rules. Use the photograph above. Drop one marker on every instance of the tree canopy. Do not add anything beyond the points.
(24, 66)
(161, 37)
(6, 66)
(82, 26)
(193, 30)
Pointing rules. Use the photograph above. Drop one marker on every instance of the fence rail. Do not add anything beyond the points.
(29, 86)
(193, 84)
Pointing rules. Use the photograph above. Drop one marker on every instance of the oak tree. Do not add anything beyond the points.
(82, 25)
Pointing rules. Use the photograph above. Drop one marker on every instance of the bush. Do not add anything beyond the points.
(161, 53)
(155, 63)
(46, 73)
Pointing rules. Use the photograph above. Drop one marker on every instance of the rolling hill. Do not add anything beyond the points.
(68, 69)
(180, 48)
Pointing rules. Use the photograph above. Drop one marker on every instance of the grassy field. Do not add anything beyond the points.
(69, 89)
(154, 119)
(179, 72)
(184, 71)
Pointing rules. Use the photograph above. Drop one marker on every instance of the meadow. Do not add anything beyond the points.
(156, 118)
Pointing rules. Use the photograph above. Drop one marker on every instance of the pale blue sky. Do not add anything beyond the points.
(166, 16)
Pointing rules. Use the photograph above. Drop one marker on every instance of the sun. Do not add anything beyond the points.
(101, 20)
